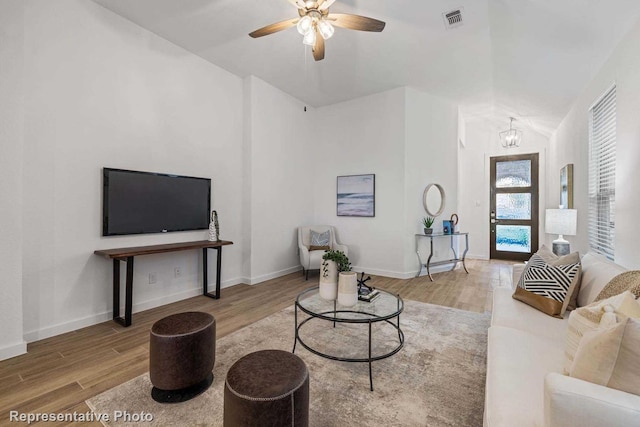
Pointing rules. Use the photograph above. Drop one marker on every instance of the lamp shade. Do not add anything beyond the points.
(561, 221)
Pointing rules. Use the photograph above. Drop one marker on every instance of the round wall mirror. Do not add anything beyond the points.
(434, 199)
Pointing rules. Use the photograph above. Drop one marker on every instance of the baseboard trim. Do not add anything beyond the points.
(473, 256)
(13, 350)
(73, 325)
(274, 275)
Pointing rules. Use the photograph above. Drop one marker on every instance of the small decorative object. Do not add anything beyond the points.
(447, 226)
(454, 222)
(348, 288)
(214, 228)
(333, 262)
(428, 222)
(356, 195)
(329, 280)
(566, 186)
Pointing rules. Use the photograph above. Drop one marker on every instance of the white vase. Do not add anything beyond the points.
(348, 288)
(213, 235)
(329, 284)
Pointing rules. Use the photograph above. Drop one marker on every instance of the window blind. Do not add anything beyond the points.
(602, 175)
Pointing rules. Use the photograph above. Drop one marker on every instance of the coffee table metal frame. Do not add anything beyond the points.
(368, 318)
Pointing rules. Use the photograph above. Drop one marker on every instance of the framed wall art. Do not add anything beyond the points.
(356, 195)
(566, 187)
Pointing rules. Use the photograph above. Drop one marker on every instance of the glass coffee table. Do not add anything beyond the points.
(385, 308)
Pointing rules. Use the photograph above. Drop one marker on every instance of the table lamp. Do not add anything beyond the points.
(561, 222)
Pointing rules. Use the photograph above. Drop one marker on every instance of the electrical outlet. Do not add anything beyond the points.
(177, 272)
(153, 278)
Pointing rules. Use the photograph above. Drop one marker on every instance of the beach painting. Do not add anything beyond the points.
(356, 195)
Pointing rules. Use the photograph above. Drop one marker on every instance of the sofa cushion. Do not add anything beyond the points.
(597, 271)
(546, 287)
(611, 357)
(511, 313)
(627, 281)
(517, 363)
(595, 316)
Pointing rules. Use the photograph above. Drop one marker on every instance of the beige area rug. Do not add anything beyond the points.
(437, 379)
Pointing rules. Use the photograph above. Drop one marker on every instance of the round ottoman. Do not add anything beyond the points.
(182, 352)
(267, 388)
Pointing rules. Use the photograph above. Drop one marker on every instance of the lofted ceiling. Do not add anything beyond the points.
(524, 58)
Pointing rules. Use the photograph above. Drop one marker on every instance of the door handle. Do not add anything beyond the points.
(494, 221)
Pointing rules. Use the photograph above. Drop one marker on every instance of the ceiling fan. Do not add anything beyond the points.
(316, 24)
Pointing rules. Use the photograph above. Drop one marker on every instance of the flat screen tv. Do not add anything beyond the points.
(143, 202)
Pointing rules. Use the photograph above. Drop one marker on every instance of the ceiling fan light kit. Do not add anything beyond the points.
(316, 24)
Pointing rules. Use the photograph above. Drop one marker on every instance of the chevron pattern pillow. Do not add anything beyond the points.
(547, 287)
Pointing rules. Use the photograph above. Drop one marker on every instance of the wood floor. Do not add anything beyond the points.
(58, 374)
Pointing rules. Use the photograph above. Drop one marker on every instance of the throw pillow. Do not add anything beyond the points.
(319, 248)
(596, 316)
(547, 287)
(320, 239)
(627, 281)
(554, 259)
(611, 357)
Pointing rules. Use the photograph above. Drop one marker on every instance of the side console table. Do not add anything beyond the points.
(127, 254)
(455, 260)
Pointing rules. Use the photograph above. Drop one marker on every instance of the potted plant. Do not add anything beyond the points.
(428, 222)
(333, 263)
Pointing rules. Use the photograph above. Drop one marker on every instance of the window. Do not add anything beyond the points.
(602, 175)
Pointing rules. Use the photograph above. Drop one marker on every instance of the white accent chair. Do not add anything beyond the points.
(312, 260)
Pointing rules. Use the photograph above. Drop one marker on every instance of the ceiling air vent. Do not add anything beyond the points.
(453, 19)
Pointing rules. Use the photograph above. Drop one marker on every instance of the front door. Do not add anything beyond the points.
(513, 219)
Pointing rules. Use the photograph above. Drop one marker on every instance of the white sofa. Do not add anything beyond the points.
(525, 386)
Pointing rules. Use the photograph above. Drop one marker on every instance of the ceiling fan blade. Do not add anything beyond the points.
(356, 22)
(326, 4)
(274, 28)
(297, 3)
(318, 47)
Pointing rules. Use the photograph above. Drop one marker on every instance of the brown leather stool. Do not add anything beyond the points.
(182, 352)
(267, 388)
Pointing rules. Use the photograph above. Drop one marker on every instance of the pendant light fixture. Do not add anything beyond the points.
(512, 137)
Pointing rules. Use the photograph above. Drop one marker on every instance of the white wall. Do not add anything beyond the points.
(482, 143)
(364, 136)
(101, 91)
(570, 144)
(280, 178)
(403, 136)
(11, 189)
(430, 157)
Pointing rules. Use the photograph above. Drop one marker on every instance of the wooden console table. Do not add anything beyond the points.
(127, 254)
(455, 260)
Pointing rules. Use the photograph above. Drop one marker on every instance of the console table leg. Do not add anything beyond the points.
(116, 288)
(128, 305)
(429, 260)
(205, 273)
(464, 254)
(218, 272)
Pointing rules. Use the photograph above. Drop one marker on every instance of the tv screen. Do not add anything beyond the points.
(144, 202)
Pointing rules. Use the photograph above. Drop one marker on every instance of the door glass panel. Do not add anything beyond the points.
(513, 205)
(513, 238)
(516, 173)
